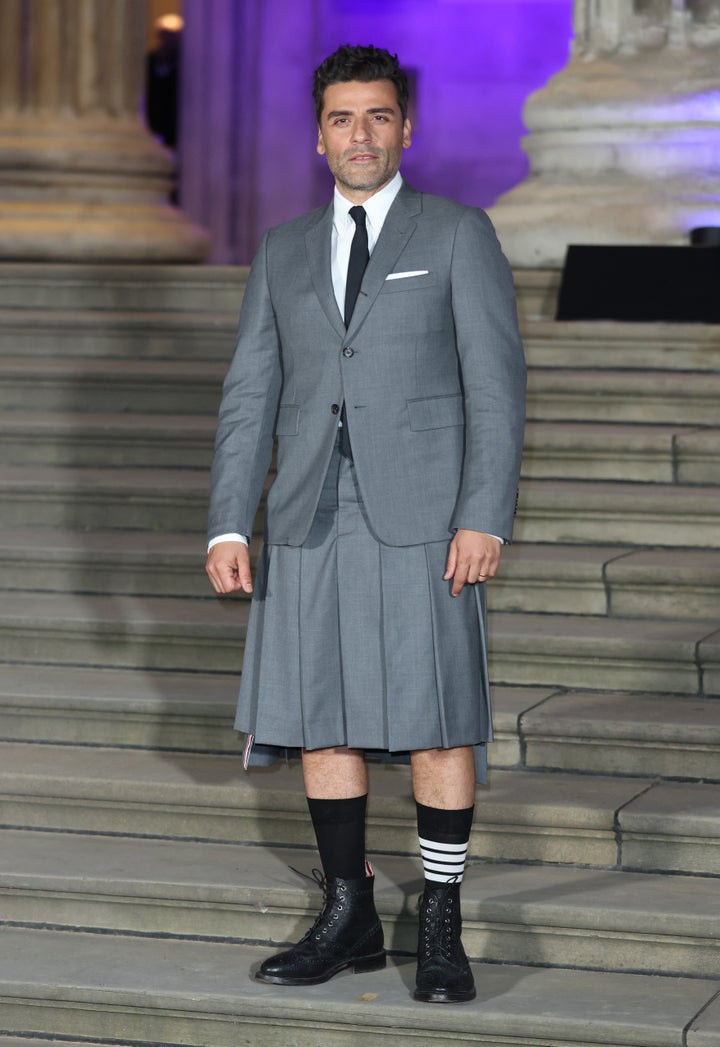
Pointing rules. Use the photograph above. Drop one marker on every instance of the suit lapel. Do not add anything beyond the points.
(317, 245)
(397, 229)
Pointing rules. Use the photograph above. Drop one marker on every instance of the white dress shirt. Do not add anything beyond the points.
(343, 231)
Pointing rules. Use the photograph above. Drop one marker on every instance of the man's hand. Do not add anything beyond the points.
(228, 565)
(473, 557)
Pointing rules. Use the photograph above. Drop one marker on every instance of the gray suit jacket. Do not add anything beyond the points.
(431, 369)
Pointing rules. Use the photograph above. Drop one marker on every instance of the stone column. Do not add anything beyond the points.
(624, 143)
(81, 179)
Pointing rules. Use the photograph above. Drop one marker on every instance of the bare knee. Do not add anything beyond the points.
(444, 778)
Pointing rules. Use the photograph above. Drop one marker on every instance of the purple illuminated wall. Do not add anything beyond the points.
(476, 62)
(248, 156)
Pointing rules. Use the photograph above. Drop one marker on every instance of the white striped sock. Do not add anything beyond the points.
(443, 862)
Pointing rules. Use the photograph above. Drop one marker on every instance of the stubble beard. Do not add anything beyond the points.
(368, 181)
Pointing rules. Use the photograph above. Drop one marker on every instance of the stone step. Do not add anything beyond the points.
(550, 511)
(121, 989)
(526, 816)
(620, 733)
(561, 579)
(538, 728)
(681, 583)
(569, 450)
(124, 631)
(97, 385)
(164, 335)
(666, 655)
(697, 457)
(42, 287)
(551, 916)
(641, 396)
(193, 386)
(193, 712)
(157, 710)
(604, 345)
(30, 1041)
(627, 513)
(586, 652)
(139, 563)
(52, 438)
(600, 579)
(661, 830)
(23, 1040)
(642, 453)
(95, 498)
(217, 290)
(537, 293)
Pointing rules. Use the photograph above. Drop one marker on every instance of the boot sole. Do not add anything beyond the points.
(444, 997)
(363, 965)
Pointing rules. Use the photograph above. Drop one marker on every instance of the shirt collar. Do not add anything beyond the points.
(376, 207)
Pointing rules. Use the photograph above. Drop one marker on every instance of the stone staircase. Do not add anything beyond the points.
(143, 874)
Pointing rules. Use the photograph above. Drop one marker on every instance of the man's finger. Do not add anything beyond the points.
(223, 578)
(459, 578)
(244, 577)
(451, 562)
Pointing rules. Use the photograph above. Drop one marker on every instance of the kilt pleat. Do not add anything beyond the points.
(354, 642)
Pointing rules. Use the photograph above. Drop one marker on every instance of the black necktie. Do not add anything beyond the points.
(359, 257)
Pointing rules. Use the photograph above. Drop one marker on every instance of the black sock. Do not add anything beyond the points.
(340, 832)
(444, 837)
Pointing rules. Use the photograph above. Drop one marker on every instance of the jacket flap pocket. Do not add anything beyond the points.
(288, 420)
(436, 412)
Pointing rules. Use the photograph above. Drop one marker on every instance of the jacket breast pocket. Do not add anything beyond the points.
(409, 283)
(436, 412)
(288, 420)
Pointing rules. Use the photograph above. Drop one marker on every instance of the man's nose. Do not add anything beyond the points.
(361, 131)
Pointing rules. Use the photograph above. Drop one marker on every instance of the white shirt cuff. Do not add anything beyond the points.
(227, 538)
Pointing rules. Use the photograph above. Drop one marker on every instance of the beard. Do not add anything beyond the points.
(366, 177)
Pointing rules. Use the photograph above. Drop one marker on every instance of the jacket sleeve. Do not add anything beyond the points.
(251, 392)
(493, 371)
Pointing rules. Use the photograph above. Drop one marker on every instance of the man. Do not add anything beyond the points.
(378, 341)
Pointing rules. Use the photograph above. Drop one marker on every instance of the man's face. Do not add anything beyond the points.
(362, 134)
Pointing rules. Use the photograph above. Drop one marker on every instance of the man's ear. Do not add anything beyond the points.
(407, 134)
(320, 147)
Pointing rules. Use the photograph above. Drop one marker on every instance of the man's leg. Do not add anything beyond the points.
(336, 787)
(444, 778)
(347, 933)
(444, 789)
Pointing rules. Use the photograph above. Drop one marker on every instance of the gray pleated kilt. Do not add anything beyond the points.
(353, 642)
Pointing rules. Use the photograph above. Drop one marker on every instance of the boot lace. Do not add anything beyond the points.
(440, 937)
(333, 898)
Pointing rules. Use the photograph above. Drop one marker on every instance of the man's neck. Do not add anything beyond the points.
(361, 196)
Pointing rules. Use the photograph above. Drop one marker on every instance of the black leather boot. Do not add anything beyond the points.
(443, 971)
(347, 933)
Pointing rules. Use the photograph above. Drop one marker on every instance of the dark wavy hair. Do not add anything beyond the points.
(359, 63)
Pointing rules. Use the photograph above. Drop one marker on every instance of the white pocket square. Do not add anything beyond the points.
(403, 276)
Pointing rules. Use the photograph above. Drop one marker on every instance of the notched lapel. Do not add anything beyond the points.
(317, 246)
(397, 229)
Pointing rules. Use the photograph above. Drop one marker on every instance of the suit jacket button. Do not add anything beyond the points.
(335, 409)
(348, 352)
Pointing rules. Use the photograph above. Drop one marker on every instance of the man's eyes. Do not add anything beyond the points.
(378, 118)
